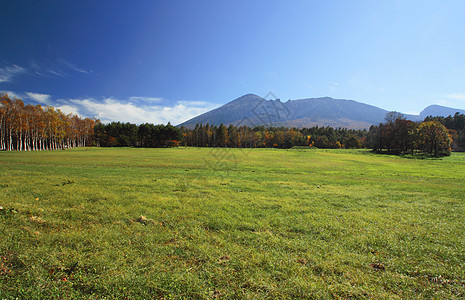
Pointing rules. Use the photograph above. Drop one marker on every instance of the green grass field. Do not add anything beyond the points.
(230, 223)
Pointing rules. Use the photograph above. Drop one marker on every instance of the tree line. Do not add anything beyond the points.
(456, 126)
(28, 127)
(436, 136)
(271, 137)
(117, 134)
(397, 135)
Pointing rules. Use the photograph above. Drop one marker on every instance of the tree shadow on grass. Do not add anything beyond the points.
(417, 155)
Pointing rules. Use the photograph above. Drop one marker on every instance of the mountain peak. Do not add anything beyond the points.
(248, 97)
(439, 110)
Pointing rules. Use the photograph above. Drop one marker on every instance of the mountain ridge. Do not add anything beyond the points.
(252, 110)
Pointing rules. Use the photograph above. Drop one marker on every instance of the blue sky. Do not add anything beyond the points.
(159, 61)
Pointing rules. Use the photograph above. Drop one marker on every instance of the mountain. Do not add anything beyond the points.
(252, 110)
(333, 112)
(438, 110)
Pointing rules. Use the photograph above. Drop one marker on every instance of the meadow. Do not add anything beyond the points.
(209, 223)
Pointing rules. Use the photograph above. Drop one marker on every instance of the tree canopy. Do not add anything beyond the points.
(399, 136)
(117, 134)
(456, 126)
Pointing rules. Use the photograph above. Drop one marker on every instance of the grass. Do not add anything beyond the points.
(230, 223)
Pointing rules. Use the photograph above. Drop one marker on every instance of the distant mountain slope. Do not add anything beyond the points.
(252, 110)
(334, 112)
(438, 110)
(230, 113)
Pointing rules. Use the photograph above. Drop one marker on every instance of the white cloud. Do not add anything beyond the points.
(456, 96)
(41, 98)
(56, 73)
(146, 99)
(134, 110)
(442, 102)
(7, 73)
(12, 94)
(452, 100)
(58, 68)
(111, 109)
(72, 66)
(194, 103)
(412, 112)
(68, 109)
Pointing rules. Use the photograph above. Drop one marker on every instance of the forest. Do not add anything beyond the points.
(456, 126)
(117, 134)
(401, 136)
(272, 137)
(27, 127)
